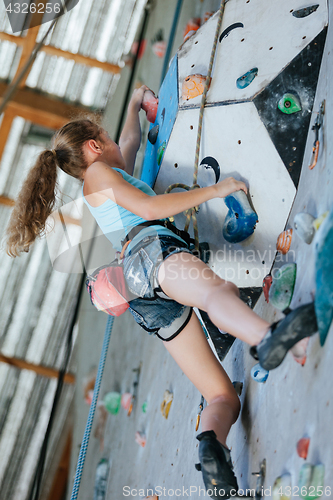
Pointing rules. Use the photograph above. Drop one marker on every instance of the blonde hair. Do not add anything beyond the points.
(36, 199)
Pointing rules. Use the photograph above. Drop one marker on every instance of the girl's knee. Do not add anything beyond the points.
(230, 400)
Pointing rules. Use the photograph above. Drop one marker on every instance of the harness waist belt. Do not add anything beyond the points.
(165, 223)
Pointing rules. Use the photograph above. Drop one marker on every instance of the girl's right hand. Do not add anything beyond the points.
(228, 186)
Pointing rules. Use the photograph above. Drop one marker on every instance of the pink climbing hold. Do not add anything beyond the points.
(266, 284)
(149, 105)
(126, 399)
(303, 447)
(140, 438)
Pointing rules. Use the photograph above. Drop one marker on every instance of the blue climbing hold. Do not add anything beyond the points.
(259, 374)
(241, 219)
(324, 277)
(244, 81)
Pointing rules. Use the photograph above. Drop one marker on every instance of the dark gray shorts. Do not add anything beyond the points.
(152, 309)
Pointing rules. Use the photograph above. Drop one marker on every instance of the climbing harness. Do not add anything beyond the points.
(86, 435)
(316, 127)
(191, 213)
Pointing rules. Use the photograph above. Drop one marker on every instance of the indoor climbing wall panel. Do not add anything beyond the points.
(256, 121)
(233, 144)
(265, 36)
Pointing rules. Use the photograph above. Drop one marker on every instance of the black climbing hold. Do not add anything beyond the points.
(244, 81)
(210, 162)
(306, 11)
(162, 116)
(152, 134)
(226, 32)
(198, 466)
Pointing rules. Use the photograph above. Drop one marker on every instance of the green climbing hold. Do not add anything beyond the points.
(311, 481)
(289, 104)
(160, 153)
(282, 288)
(324, 277)
(112, 402)
(144, 407)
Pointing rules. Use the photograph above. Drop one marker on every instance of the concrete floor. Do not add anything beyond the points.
(294, 402)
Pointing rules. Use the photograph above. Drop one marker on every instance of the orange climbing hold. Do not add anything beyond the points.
(192, 26)
(193, 85)
(266, 285)
(284, 241)
(303, 447)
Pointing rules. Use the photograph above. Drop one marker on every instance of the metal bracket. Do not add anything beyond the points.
(260, 480)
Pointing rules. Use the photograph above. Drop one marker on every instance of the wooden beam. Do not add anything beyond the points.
(69, 378)
(38, 108)
(7, 201)
(5, 129)
(78, 58)
(67, 219)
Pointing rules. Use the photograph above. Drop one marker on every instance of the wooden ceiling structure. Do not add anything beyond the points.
(33, 106)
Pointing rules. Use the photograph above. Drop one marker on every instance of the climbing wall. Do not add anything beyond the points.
(255, 123)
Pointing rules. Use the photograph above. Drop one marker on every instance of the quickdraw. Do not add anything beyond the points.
(316, 127)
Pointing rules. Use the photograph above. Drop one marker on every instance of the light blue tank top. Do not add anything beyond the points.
(115, 221)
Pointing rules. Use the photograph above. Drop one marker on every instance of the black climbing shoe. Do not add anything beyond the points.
(284, 334)
(216, 467)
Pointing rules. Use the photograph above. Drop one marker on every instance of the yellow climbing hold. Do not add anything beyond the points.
(318, 222)
(166, 403)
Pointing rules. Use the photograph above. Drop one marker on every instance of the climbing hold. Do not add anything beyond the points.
(281, 487)
(266, 285)
(299, 351)
(284, 241)
(126, 399)
(303, 447)
(240, 221)
(112, 402)
(311, 481)
(192, 26)
(289, 104)
(324, 277)
(244, 81)
(193, 85)
(102, 471)
(160, 153)
(140, 438)
(149, 105)
(210, 162)
(159, 44)
(153, 133)
(259, 374)
(154, 497)
(226, 32)
(238, 386)
(283, 284)
(144, 407)
(166, 403)
(318, 222)
(306, 11)
(303, 224)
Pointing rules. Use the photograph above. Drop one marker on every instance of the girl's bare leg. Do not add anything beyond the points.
(194, 356)
(188, 280)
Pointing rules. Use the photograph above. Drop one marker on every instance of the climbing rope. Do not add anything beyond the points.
(191, 213)
(86, 435)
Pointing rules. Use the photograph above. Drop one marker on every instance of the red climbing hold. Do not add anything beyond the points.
(149, 105)
(266, 284)
(303, 447)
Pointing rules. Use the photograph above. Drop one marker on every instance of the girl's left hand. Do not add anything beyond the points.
(137, 97)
